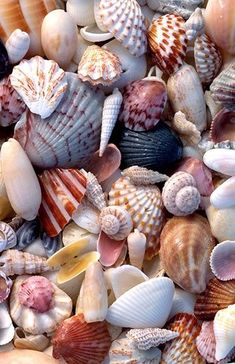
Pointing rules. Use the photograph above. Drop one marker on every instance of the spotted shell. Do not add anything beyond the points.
(116, 222)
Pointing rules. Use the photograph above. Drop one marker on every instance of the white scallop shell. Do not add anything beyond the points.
(224, 329)
(81, 11)
(17, 45)
(40, 83)
(182, 302)
(98, 17)
(221, 160)
(222, 260)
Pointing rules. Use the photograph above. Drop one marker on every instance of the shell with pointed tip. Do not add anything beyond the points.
(81, 11)
(136, 242)
(74, 339)
(62, 191)
(38, 305)
(86, 217)
(40, 83)
(222, 260)
(183, 7)
(5, 286)
(124, 19)
(116, 222)
(144, 204)
(8, 237)
(21, 182)
(24, 340)
(180, 194)
(27, 233)
(168, 42)
(17, 45)
(195, 24)
(221, 160)
(186, 244)
(222, 126)
(94, 192)
(112, 105)
(224, 329)
(141, 176)
(182, 302)
(70, 135)
(127, 310)
(145, 339)
(184, 346)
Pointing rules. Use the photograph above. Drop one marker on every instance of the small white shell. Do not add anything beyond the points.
(81, 11)
(136, 247)
(17, 45)
(195, 24)
(222, 260)
(224, 329)
(116, 222)
(221, 160)
(92, 33)
(87, 217)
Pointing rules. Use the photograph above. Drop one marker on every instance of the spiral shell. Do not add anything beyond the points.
(116, 222)
(94, 192)
(195, 24)
(17, 45)
(141, 176)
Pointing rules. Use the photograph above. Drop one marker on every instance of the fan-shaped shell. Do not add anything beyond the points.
(222, 260)
(222, 126)
(124, 19)
(70, 135)
(186, 245)
(17, 45)
(144, 204)
(168, 42)
(145, 339)
(206, 342)
(224, 329)
(116, 222)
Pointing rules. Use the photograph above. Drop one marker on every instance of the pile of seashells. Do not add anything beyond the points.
(117, 181)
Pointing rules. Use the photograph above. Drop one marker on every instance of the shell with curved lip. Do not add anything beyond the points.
(27, 233)
(94, 192)
(185, 129)
(224, 329)
(70, 135)
(180, 194)
(17, 45)
(5, 286)
(116, 222)
(222, 260)
(24, 340)
(136, 242)
(222, 126)
(224, 196)
(110, 250)
(221, 160)
(145, 339)
(182, 302)
(186, 244)
(81, 11)
(141, 176)
(195, 24)
(8, 238)
(99, 66)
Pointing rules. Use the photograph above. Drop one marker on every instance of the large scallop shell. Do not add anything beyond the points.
(206, 342)
(144, 204)
(186, 245)
(70, 135)
(17, 45)
(224, 329)
(222, 260)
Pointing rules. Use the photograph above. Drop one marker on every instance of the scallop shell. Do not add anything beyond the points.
(99, 66)
(186, 244)
(221, 160)
(195, 24)
(24, 340)
(124, 19)
(116, 222)
(81, 11)
(51, 244)
(218, 295)
(208, 59)
(40, 83)
(222, 126)
(4, 60)
(17, 45)
(183, 7)
(74, 339)
(168, 42)
(136, 242)
(141, 176)
(5, 287)
(206, 342)
(224, 329)
(8, 237)
(145, 339)
(70, 135)
(182, 302)
(94, 192)
(62, 191)
(222, 260)
(144, 204)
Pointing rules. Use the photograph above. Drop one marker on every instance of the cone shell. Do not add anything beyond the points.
(218, 295)
(145, 339)
(186, 245)
(116, 222)
(5, 287)
(136, 248)
(195, 24)
(62, 190)
(222, 260)
(125, 21)
(144, 204)
(74, 339)
(141, 176)
(168, 42)
(222, 126)
(99, 66)
(224, 329)
(183, 347)
(72, 132)
(17, 45)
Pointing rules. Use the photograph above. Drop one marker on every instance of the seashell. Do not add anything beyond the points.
(82, 45)
(64, 135)
(51, 245)
(16, 222)
(38, 305)
(81, 12)
(94, 192)
(112, 105)
(195, 24)
(5, 318)
(154, 149)
(107, 184)
(186, 258)
(98, 17)
(208, 59)
(93, 34)
(116, 222)
(223, 196)
(27, 357)
(7, 236)
(223, 87)
(36, 248)
(136, 248)
(109, 249)
(16, 262)
(224, 329)
(144, 204)
(40, 83)
(127, 310)
(222, 126)
(115, 14)
(74, 339)
(7, 335)
(62, 191)
(186, 95)
(186, 129)
(145, 339)
(72, 232)
(59, 43)
(220, 160)
(183, 7)
(5, 287)
(17, 45)
(217, 296)
(143, 104)
(221, 222)
(222, 260)
(4, 60)
(99, 66)
(184, 346)
(182, 302)
(212, 107)
(21, 182)
(27, 233)
(11, 104)
(23, 340)
(94, 294)
(141, 176)
(168, 42)
(87, 217)
(180, 194)
(206, 342)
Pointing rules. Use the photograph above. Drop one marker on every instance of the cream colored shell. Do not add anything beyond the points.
(116, 222)
(17, 45)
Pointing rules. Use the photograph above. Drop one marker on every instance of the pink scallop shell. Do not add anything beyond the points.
(223, 126)
(222, 260)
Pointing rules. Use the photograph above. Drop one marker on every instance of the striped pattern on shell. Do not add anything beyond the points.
(7, 236)
(62, 191)
(168, 42)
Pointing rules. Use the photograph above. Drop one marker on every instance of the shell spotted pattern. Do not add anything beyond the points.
(145, 339)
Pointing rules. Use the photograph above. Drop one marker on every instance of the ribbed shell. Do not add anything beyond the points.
(206, 342)
(141, 176)
(51, 244)
(222, 260)
(124, 19)
(7, 236)
(27, 233)
(218, 295)
(79, 342)
(195, 24)
(116, 222)
(145, 339)
(62, 191)
(70, 135)
(208, 59)
(17, 45)
(168, 42)
(224, 329)
(144, 204)
(94, 192)
(186, 245)
(222, 127)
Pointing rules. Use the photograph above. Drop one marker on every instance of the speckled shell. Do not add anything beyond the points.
(145, 339)
(168, 42)
(222, 127)
(186, 245)
(70, 135)
(144, 204)
(182, 7)
(222, 260)
(17, 45)
(116, 222)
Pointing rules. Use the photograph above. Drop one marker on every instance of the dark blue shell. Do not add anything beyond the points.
(51, 245)
(27, 233)
(4, 61)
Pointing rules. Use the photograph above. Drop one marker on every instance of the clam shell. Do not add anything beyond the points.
(27, 233)
(17, 45)
(5, 287)
(8, 237)
(224, 329)
(182, 302)
(224, 196)
(81, 11)
(222, 126)
(221, 160)
(222, 260)
(127, 310)
(71, 132)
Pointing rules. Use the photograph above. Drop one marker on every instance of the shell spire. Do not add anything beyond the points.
(141, 176)
(145, 339)
(195, 24)
(116, 222)
(94, 192)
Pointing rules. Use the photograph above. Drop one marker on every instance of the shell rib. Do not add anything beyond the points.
(94, 192)
(116, 222)
(145, 339)
(141, 176)
(7, 236)
(195, 24)
(224, 329)
(17, 45)
(222, 260)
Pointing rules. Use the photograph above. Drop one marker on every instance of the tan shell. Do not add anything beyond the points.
(24, 340)
(136, 248)
(185, 129)
(116, 222)
(141, 176)
(17, 45)
(94, 192)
